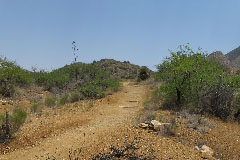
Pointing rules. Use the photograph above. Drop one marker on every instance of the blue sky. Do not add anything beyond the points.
(40, 32)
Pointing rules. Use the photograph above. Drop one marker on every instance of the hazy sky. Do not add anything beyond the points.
(40, 32)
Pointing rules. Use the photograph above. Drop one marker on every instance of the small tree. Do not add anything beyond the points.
(143, 73)
(188, 76)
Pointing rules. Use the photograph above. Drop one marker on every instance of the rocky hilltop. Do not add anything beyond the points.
(122, 70)
(230, 60)
(234, 57)
(221, 59)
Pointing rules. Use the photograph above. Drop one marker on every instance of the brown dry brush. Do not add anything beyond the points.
(127, 152)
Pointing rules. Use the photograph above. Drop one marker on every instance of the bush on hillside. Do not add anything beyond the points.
(114, 84)
(191, 81)
(74, 97)
(63, 99)
(87, 79)
(143, 73)
(52, 79)
(11, 75)
(34, 108)
(50, 101)
(10, 123)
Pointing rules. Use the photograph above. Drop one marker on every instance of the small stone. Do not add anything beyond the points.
(143, 125)
(207, 150)
(4, 102)
(196, 148)
(158, 126)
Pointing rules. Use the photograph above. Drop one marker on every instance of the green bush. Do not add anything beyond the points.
(114, 84)
(34, 108)
(91, 81)
(16, 119)
(50, 101)
(191, 81)
(12, 75)
(74, 97)
(143, 73)
(63, 99)
(49, 80)
(92, 91)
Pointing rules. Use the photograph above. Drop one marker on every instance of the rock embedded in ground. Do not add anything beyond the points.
(196, 148)
(207, 150)
(158, 126)
(143, 125)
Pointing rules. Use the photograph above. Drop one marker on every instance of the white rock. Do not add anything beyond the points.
(207, 150)
(143, 125)
(196, 148)
(158, 125)
(4, 102)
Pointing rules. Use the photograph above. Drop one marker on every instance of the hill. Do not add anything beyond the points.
(234, 57)
(233, 54)
(122, 70)
(230, 60)
(221, 59)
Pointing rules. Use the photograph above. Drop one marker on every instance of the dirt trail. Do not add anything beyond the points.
(93, 127)
(75, 127)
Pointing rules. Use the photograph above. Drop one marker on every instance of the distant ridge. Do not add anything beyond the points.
(234, 57)
(221, 59)
(233, 54)
(230, 60)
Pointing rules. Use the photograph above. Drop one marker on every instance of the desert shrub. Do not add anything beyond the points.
(170, 130)
(74, 97)
(129, 151)
(191, 81)
(63, 99)
(218, 101)
(89, 79)
(143, 73)
(98, 82)
(237, 108)
(40, 78)
(92, 91)
(7, 89)
(34, 107)
(12, 75)
(15, 120)
(114, 84)
(49, 80)
(50, 101)
(90, 104)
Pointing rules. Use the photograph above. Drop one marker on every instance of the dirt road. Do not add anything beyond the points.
(86, 128)
(84, 125)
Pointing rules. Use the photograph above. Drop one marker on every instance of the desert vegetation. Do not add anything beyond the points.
(186, 88)
(12, 75)
(193, 82)
(69, 84)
